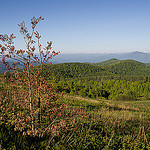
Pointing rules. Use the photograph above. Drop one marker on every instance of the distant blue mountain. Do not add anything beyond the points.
(95, 58)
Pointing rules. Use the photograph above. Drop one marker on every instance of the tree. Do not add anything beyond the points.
(29, 104)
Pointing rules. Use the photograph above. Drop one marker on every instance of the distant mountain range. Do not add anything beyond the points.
(98, 57)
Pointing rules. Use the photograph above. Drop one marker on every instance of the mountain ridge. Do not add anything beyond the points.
(99, 57)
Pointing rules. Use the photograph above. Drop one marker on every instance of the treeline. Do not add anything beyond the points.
(109, 89)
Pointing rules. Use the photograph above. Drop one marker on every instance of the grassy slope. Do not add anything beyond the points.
(128, 120)
(141, 105)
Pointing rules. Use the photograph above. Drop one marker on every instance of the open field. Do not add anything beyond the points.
(106, 125)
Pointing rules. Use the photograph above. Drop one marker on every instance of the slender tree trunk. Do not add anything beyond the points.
(39, 99)
(31, 105)
(39, 107)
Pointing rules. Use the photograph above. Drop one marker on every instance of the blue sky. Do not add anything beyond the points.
(82, 26)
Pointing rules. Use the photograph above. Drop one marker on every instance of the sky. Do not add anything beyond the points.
(82, 26)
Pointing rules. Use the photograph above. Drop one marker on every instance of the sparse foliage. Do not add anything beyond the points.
(30, 101)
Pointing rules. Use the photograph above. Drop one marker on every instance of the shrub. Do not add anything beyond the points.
(29, 102)
(126, 96)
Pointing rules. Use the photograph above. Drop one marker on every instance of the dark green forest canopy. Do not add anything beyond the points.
(73, 70)
(129, 67)
(110, 68)
(125, 67)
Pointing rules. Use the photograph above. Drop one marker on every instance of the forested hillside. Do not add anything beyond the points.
(73, 70)
(109, 68)
(116, 79)
(129, 67)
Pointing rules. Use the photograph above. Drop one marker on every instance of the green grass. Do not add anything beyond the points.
(125, 123)
(142, 105)
(106, 124)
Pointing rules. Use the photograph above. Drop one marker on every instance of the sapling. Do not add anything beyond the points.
(29, 102)
(35, 84)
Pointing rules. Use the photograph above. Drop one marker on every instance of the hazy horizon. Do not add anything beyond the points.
(105, 52)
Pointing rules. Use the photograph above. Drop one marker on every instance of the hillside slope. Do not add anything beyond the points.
(111, 67)
(73, 70)
(129, 67)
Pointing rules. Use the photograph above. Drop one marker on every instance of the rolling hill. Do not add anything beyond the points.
(129, 67)
(74, 70)
(111, 67)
